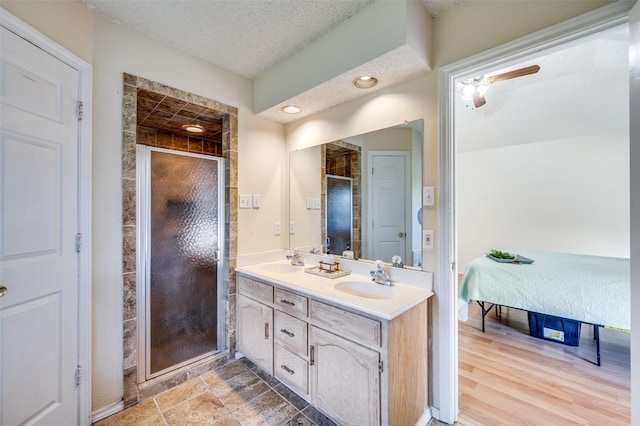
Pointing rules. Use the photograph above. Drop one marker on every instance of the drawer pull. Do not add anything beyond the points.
(311, 355)
(287, 369)
(266, 330)
(288, 333)
(287, 302)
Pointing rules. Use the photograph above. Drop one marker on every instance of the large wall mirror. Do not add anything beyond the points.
(361, 194)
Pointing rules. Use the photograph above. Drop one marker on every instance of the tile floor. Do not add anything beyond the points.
(239, 393)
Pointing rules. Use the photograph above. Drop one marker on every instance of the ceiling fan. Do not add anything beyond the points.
(475, 88)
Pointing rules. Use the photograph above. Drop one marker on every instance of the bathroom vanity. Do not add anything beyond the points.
(355, 350)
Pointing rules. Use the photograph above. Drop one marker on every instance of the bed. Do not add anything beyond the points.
(591, 289)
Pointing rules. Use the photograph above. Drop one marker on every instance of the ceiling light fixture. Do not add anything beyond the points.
(477, 86)
(193, 128)
(365, 82)
(291, 109)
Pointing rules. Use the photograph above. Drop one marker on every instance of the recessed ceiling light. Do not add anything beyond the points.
(193, 128)
(291, 109)
(365, 82)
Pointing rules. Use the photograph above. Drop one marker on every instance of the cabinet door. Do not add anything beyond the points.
(345, 382)
(255, 332)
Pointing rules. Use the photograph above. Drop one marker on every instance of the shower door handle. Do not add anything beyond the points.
(216, 254)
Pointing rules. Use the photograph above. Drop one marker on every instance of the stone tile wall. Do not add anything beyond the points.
(132, 134)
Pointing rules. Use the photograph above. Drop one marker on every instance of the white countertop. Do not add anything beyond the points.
(401, 297)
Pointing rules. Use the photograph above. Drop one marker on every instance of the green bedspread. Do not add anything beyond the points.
(590, 289)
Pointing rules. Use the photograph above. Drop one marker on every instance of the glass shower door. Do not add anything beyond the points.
(339, 214)
(184, 236)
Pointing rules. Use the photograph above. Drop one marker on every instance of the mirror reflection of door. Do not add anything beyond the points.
(389, 195)
(339, 224)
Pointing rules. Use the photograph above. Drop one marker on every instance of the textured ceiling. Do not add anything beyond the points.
(244, 36)
(250, 36)
(581, 89)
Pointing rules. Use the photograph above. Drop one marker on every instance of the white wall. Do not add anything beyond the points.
(634, 65)
(568, 195)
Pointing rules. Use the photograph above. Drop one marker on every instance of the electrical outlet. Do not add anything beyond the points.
(427, 239)
(245, 201)
(276, 228)
(256, 201)
(292, 227)
(428, 196)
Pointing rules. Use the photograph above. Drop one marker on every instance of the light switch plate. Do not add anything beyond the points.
(428, 196)
(245, 201)
(256, 201)
(309, 203)
(427, 239)
(316, 203)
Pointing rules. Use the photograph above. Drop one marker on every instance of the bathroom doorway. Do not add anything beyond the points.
(181, 199)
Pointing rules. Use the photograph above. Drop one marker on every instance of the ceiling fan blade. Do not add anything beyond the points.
(478, 100)
(515, 73)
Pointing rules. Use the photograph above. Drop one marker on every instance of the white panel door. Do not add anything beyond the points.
(39, 215)
(389, 195)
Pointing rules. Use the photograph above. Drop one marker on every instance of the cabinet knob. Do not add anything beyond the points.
(3, 290)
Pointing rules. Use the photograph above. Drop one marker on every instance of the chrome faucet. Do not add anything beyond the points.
(379, 276)
(296, 258)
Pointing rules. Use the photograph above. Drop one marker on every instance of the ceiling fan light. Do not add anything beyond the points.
(482, 89)
(467, 91)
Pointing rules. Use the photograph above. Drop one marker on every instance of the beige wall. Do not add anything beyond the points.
(465, 30)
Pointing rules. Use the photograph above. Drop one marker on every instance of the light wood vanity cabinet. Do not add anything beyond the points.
(255, 323)
(356, 369)
(345, 380)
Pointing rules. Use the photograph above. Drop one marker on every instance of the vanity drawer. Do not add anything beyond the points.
(346, 323)
(291, 303)
(291, 370)
(291, 333)
(255, 290)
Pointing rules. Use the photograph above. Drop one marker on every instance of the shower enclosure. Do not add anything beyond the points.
(180, 239)
(339, 204)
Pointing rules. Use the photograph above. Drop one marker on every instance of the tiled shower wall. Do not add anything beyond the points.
(134, 392)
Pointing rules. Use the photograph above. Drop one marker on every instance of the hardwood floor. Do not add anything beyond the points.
(507, 377)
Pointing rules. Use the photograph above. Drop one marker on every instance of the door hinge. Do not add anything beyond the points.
(80, 110)
(78, 242)
(78, 376)
(380, 366)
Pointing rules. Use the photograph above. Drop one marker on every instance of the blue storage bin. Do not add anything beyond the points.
(555, 329)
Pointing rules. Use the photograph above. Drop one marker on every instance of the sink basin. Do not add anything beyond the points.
(366, 289)
(281, 268)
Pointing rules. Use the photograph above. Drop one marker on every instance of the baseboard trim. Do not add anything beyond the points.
(107, 411)
(425, 418)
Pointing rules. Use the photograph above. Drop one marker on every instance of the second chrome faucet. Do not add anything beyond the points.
(379, 275)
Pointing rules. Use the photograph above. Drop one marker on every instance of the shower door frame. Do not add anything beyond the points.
(143, 218)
